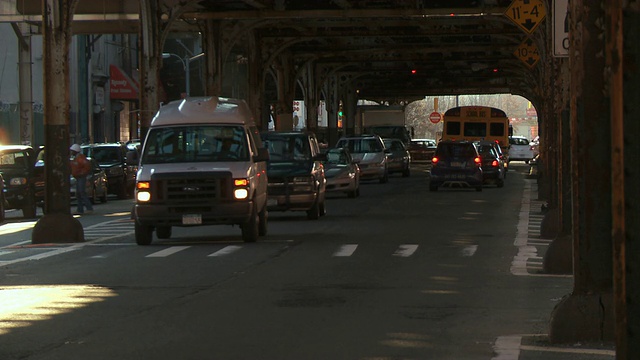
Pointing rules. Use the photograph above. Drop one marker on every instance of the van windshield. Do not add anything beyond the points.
(195, 143)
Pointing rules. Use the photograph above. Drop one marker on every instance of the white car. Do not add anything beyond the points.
(520, 149)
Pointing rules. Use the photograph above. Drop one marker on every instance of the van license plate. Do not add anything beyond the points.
(457, 164)
(192, 219)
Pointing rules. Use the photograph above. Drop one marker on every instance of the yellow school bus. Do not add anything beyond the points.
(475, 123)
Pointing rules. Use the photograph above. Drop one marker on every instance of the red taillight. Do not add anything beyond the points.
(495, 163)
(478, 161)
(434, 160)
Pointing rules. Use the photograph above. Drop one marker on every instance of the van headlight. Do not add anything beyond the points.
(241, 189)
(143, 193)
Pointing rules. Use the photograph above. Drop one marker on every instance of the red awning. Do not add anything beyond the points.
(121, 86)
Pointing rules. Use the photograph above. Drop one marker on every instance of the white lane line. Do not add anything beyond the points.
(469, 250)
(507, 348)
(611, 353)
(5, 252)
(225, 251)
(346, 250)
(168, 251)
(405, 250)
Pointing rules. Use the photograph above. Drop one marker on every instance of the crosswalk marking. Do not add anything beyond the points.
(346, 250)
(225, 251)
(405, 250)
(168, 251)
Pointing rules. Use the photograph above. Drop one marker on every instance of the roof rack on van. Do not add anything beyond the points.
(203, 110)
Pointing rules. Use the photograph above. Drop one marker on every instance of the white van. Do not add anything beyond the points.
(202, 163)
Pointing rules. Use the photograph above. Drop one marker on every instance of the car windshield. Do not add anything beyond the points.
(358, 146)
(337, 157)
(15, 160)
(287, 147)
(456, 151)
(103, 154)
(196, 143)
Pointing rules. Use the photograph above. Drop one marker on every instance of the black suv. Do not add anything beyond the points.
(456, 164)
(296, 173)
(112, 159)
(17, 164)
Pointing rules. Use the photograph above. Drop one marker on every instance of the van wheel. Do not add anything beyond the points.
(163, 232)
(262, 221)
(314, 212)
(250, 229)
(144, 234)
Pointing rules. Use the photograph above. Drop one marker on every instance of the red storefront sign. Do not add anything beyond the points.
(121, 86)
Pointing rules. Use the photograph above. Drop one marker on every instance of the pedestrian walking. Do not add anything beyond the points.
(80, 169)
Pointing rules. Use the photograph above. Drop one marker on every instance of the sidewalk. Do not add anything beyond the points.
(528, 262)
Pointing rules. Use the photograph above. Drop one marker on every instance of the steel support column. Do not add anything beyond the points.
(57, 225)
(212, 44)
(286, 91)
(23, 33)
(150, 57)
(587, 313)
(255, 81)
(622, 53)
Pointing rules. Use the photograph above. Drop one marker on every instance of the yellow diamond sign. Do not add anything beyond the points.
(527, 14)
(528, 53)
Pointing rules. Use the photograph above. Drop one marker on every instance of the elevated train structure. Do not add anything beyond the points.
(395, 52)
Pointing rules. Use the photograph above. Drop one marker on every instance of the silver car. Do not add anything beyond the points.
(370, 154)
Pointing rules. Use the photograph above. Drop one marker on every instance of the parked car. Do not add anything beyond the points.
(398, 157)
(2, 199)
(17, 163)
(422, 150)
(295, 172)
(456, 164)
(342, 172)
(370, 154)
(493, 170)
(112, 158)
(97, 183)
(520, 149)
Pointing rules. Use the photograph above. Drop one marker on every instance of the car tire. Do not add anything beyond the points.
(263, 218)
(143, 234)
(385, 178)
(122, 191)
(163, 232)
(500, 183)
(103, 197)
(353, 193)
(93, 198)
(314, 212)
(251, 228)
(2, 216)
(29, 209)
(323, 207)
(406, 172)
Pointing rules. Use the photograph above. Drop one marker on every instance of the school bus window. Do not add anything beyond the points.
(453, 128)
(475, 129)
(496, 129)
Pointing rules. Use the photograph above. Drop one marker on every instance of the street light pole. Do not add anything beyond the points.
(185, 65)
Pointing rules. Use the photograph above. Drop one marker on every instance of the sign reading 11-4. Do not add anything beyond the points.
(527, 14)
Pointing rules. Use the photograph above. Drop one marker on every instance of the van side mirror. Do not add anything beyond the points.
(131, 158)
(262, 155)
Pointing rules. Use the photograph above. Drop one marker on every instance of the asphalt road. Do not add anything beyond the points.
(398, 273)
